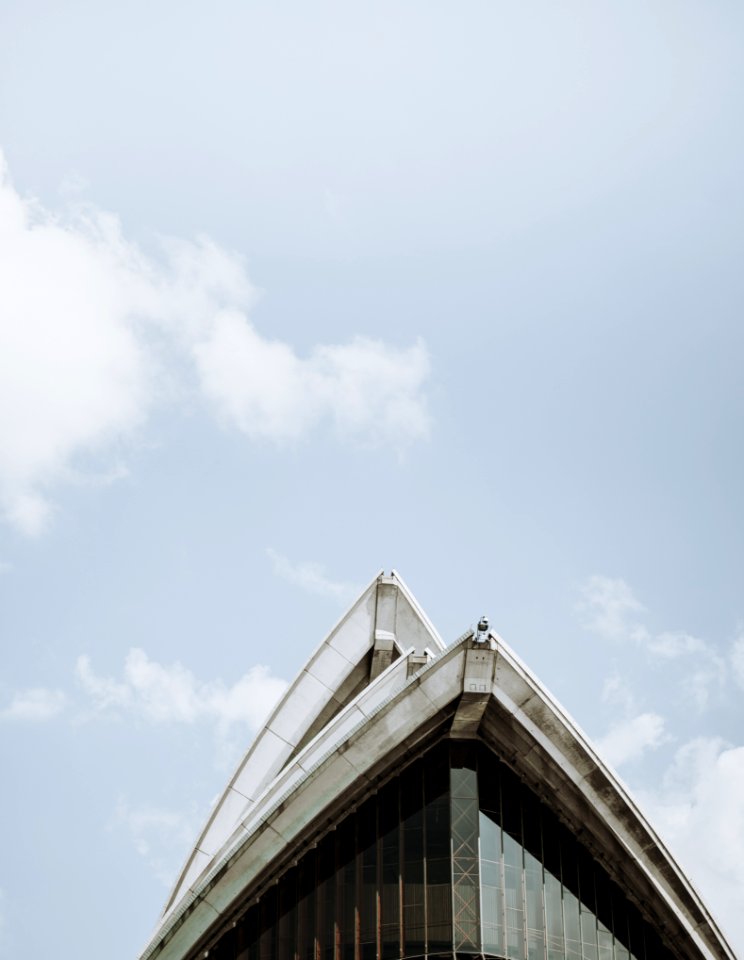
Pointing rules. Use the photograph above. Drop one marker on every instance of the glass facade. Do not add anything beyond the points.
(454, 856)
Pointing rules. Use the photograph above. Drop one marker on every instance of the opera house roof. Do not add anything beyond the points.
(374, 696)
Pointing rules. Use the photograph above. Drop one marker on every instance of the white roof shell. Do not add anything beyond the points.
(377, 687)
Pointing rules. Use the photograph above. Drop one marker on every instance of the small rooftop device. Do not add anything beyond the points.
(481, 631)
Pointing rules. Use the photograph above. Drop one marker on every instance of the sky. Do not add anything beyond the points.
(291, 293)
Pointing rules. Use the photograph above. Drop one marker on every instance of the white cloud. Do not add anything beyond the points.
(707, 677)
(631, 738)
(80, 309)
(699, 811)
(365, 388)
(737, 660)
(72, 370)
(617, 691)
(93, 332)
(606, 607)
(671, 645)
(610, 610)
(35, 704)
(105, 692)
(698, 807)
(162, 837)
(171, 694)
(311, 577)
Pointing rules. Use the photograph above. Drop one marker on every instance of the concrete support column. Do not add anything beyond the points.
(477, 683)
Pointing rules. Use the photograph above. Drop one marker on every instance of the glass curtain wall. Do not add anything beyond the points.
(452, 857)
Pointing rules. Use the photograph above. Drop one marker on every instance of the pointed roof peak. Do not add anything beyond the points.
(375, 691)
(383, 624)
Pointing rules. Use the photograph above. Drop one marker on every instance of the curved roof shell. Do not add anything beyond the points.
(376, 688)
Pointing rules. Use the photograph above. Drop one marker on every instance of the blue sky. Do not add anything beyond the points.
(290, 293)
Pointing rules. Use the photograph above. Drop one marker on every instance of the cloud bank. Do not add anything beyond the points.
(699, 811)
(609, 610)
(94, 333)
(154, 692)
(631, 738)
(697, 800)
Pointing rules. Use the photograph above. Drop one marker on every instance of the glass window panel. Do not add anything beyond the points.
(635, 930)
(603, 892)
(326, 900)
(653, 943)
(287, 922)
(390, 894)
(571, 925)
(571, 908)
(465, 850)
(490, 838)
(492, 887)
(247, 935)
(620, 925)
(489, 793)
(554, 918)
(604, 939)
(621, 951)
(438, 853)
(533, 879)
(587, 901)
(367, 836)
(306, 907)
(535, 914)
(346, 887)
(531, 825)
(463, 766)
(511, 822)
(225, 948)
(267, 925)
(511, 810)
(412, 802)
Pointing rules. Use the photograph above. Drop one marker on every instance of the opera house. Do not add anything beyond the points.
(411, 799)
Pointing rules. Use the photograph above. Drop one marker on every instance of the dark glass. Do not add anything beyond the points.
(588, 906)
(390, 850)
(287, 921)
(454, 856)
(533, 877)
(571, 904)
(367, 838)
(326, 898)
(653, 944)
(603, 890)
(491, 853)
(306, 907)
(511, 820)
(438, 852)
(254, 926)
(346, 888)
(225, 949)
(636, 933)
(412, 815)
(553, 893)
(267, 916)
